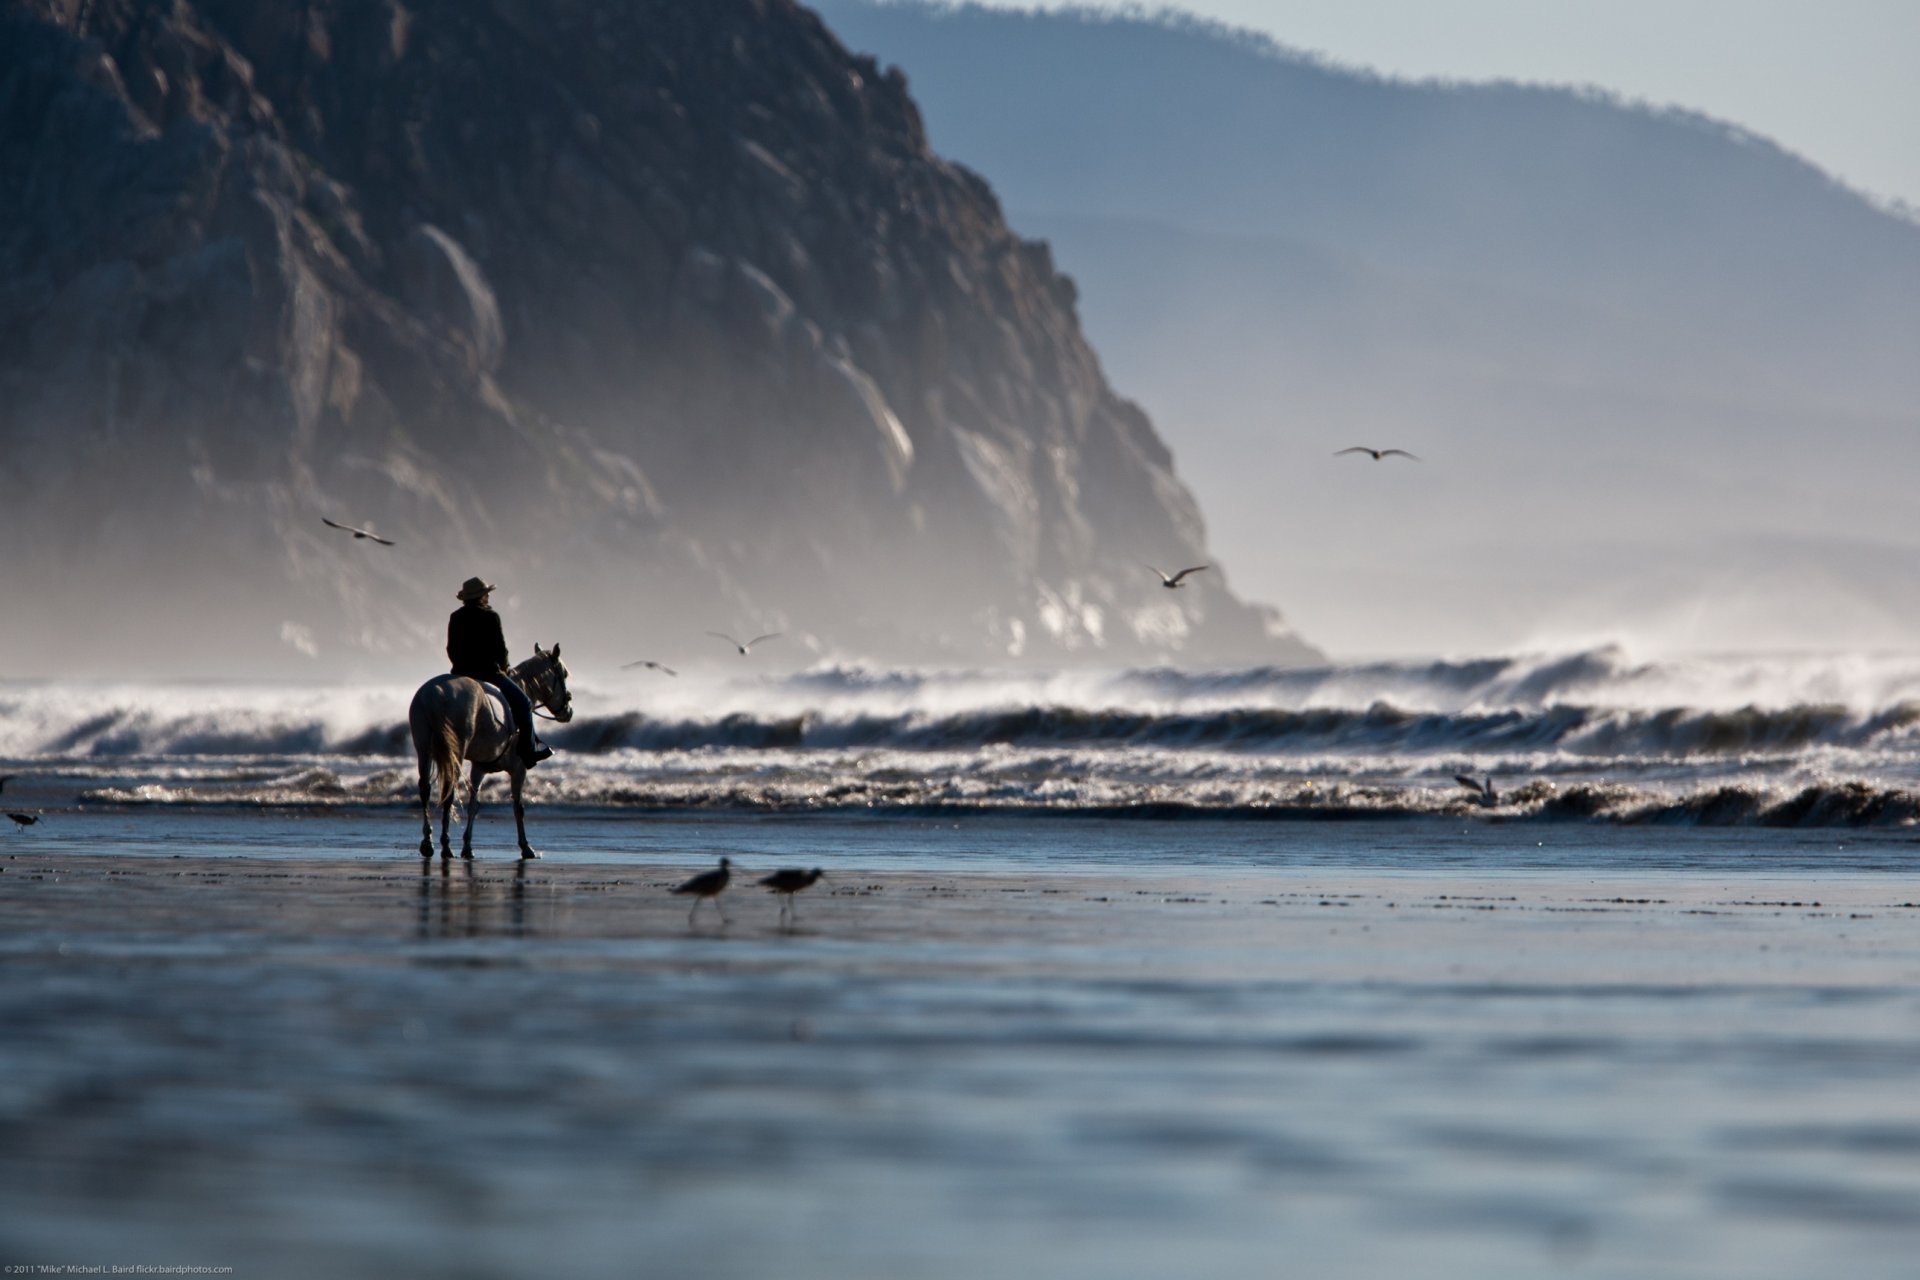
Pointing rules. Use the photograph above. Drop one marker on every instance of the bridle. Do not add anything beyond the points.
(540, 686)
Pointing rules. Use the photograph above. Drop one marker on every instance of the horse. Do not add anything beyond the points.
(456, 719)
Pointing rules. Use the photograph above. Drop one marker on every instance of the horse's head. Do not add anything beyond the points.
(545, 680)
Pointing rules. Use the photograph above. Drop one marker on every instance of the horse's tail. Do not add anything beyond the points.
(446, 759)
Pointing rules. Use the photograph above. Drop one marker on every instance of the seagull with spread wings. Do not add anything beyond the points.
(1178, 579)
(1488, 796)
(1377, 454)
(650, 665)
(357, 533)
(721, 635)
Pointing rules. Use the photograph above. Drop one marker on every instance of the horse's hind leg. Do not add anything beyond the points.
(519, 779)
(426, 809)
(448, 790)
(473, 808)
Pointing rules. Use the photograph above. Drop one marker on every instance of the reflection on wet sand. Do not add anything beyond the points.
(458, 901)
(304, 1068)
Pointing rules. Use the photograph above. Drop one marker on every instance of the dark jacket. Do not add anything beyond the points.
(476, 645)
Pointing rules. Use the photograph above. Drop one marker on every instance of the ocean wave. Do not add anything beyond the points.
(1550, 713)
(1381, 729)
(1852, 803)
(1606, 676)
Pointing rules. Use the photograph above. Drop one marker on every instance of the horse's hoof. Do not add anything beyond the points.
(426, 848)
(526, 854)
(467, 854)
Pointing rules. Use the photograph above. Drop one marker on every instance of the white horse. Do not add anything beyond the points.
(456, 718)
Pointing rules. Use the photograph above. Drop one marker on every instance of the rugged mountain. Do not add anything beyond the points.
(663, 316)
(1641, 350)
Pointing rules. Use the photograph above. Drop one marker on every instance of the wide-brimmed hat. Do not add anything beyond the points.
(474, 589)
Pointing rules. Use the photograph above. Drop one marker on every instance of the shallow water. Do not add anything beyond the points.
(983, 842)
(995, 1046)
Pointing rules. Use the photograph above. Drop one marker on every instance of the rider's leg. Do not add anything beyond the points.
(531, 752)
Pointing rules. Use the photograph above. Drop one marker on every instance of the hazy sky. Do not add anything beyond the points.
(1833, 80)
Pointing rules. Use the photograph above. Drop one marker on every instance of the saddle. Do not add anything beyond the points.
(507, 721)
(500, 700)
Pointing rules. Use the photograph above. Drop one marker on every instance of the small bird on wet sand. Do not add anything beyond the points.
(23, 820)
(1175, 580)
(788, 881)
(707, 886)
(721, 635)
(648, 663)
(1488, 796)
(1377, 454)
(358, 533)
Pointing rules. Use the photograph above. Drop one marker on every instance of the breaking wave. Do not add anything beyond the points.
(1381, 728)
(1797, 740)
(1679, 733)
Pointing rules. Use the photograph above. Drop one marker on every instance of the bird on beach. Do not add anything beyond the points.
(1488, 796)
(1377, 454)
(788, 881)
(23, 820)
(1177, 579)
(651, 665)
(721, 635)
(357, 533)
(707, 886)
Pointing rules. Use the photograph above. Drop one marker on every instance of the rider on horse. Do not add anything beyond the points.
(477, 647)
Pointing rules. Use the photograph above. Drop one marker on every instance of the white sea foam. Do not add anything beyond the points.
(1621, 736)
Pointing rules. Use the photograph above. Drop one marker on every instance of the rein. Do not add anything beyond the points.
(544, 691)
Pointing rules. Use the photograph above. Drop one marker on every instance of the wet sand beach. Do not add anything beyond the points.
(298, 1067)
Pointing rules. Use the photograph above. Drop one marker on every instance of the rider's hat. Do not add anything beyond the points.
(474, 588)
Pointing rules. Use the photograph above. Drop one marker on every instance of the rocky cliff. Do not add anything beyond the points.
(663, 316)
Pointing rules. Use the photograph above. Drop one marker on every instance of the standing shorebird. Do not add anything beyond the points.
(1177, 580)
(1377, 454)
(23, 820)
(1488, 796)
(721, 635)
(357, 533)
(707, 886)
(788, 881)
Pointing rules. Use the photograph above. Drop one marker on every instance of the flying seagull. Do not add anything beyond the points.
(1377, 454)
(789, 881)
(358, 533)
(1488, 796)
(23, 820)
(707, 886)
(650, 665)
(721, 635)
(1175, 580)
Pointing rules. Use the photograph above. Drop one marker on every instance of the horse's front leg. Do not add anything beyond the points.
(473, 808)
(426, 808)
(517, 773)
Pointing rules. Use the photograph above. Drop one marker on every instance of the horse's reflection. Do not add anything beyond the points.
(456, 901)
